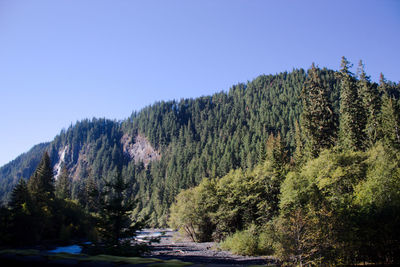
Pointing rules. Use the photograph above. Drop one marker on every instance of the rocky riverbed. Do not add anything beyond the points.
(172, 245)
(172, 250)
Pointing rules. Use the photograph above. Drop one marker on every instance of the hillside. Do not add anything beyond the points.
(21, 167)
(302, 166)
(173, 145)
(335, 202)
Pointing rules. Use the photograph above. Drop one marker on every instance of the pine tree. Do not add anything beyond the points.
(318, 119)
(22, 229)
(390, 121)
(383, 87)
(41, 184)
(20, 196)
(63, 184)
(372, 104)
(115, 222)
(276, 152)
(261, 152)
(92, 195)
(352, 114)
(299, 151)
(41, 189)
(270, 147)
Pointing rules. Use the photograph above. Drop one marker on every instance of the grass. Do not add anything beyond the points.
(20, 252)
(85, 258)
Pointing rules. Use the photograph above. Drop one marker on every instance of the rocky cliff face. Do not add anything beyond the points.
(139, 149)
(58, 165)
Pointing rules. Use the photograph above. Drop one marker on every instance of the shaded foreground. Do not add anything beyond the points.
(36, 258)
(172, 250)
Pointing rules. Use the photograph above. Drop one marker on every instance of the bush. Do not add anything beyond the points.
(267, 240)
(242, 242)
(191, 212)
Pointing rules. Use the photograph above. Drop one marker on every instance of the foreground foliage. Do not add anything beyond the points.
(336, 202)
(35, 215)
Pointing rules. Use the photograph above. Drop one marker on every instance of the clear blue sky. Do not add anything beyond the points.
(66, 60)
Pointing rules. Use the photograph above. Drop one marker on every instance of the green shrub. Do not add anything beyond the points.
(242, 242)
(266, 240)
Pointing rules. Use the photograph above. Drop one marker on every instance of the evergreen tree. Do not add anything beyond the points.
(92, 195)
(261, 152)
(318, 118)
(41, 184)
(41, 189)
(21, 221)
(276, 152)
(63, 184)
(353, 118)
(390, 121)
(372, 104)
(299, 151)
(115, 222)
(383, 87)
(20, 196)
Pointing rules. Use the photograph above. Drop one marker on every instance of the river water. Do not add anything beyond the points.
(73, 249)
(142, 236)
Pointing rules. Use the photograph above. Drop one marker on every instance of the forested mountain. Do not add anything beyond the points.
(335, 202)
(173, 145)
(23, 166)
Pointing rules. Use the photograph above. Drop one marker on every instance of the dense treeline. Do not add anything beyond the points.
(22, 167)
(35, 215)
(206, 137)
(336, 201)
(41, 212)
(197, 138)
(209, 136)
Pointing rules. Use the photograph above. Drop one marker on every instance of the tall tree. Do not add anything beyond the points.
(63, 184)
(276, 152)
(115, 222)
(21, 207)
(383, 87)
(41, 189)
(41, 184)
(372, 104)
(261, 152)
(318, 119)
(390, 121)
(20, 196)
(92, 195)
(299, 151)
(353, 118)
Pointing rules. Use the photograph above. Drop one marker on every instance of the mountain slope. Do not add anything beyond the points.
(21, 167)
(173, 145)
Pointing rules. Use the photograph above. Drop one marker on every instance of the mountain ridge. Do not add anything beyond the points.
(191, 139)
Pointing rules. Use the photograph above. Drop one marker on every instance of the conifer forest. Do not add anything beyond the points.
(303, 166)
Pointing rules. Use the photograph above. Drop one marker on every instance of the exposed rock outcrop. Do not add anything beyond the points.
(57, 167)
(140, 150)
